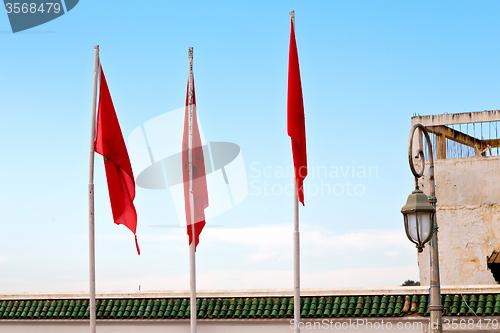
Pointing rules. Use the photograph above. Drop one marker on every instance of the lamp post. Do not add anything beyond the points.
(421, 226)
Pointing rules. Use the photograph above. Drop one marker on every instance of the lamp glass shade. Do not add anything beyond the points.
(419, 226)
(419, 218)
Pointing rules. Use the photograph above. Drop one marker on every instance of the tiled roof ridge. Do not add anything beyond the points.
(305, 292)
(411, 304)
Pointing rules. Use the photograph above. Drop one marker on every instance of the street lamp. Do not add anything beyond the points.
(421, 226)
(419, 217)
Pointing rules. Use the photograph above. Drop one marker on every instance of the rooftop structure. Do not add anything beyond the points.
(467, 175)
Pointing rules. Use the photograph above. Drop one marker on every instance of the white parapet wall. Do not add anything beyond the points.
(359, 325)
(468, 216)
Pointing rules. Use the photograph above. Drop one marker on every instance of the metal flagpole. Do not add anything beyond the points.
(296, 244)
(296, 260)
(91, 197)
(192, 249)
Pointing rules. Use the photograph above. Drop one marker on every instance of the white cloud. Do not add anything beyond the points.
(262, 243)
(238, 258)
(275, 241)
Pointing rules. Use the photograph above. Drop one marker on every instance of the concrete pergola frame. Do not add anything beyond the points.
(437, 124)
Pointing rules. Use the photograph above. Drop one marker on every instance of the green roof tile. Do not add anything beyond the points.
(231, 308)
(168, 308)
(239, 308)
(290, 309)
(335, 310)
(328, 307)
(256, 307)
(161, 311)
(390, 307)
(382, 310)
(313, 307)
(455, 305)
(217, 308)
(75, 310)
(180, 312)
(202, 310)
(414, 304)
(305, 307)
(45, 309)
(225, 307)
(275, 308)
(210, 308)
(358, 310)
(2, 307)
(83, 309)
(187, 312)
(480, 309)
(7, 310)
(26, 309)
(114, 309)
(253, 308)
(57, 307)
(351, 307)
(447, 305)
(156, 308)
(283, 308)
(463, 308)
(107, 304)
(422, 305)
(18, 309)
(100, 308)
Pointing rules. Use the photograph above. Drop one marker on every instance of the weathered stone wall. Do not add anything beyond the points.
(468, 216)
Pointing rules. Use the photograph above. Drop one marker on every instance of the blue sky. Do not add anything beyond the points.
(366, 67)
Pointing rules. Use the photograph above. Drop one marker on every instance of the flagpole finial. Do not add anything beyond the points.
(190, 52)
(96, 47)
(292, 13)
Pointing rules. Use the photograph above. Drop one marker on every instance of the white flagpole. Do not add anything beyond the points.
(192, 257)
(296, 244)
(296, 260)
(91, 197)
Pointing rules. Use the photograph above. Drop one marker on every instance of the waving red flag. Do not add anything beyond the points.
(296, 120)
(110, 144)
(198, 181)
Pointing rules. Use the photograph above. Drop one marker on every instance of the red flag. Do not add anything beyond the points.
(199, 181)
(296, 120)
(109, 143)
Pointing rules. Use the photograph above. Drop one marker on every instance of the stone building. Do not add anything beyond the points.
(467, 175)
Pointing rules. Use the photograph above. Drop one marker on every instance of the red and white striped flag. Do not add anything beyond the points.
(198, 183)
